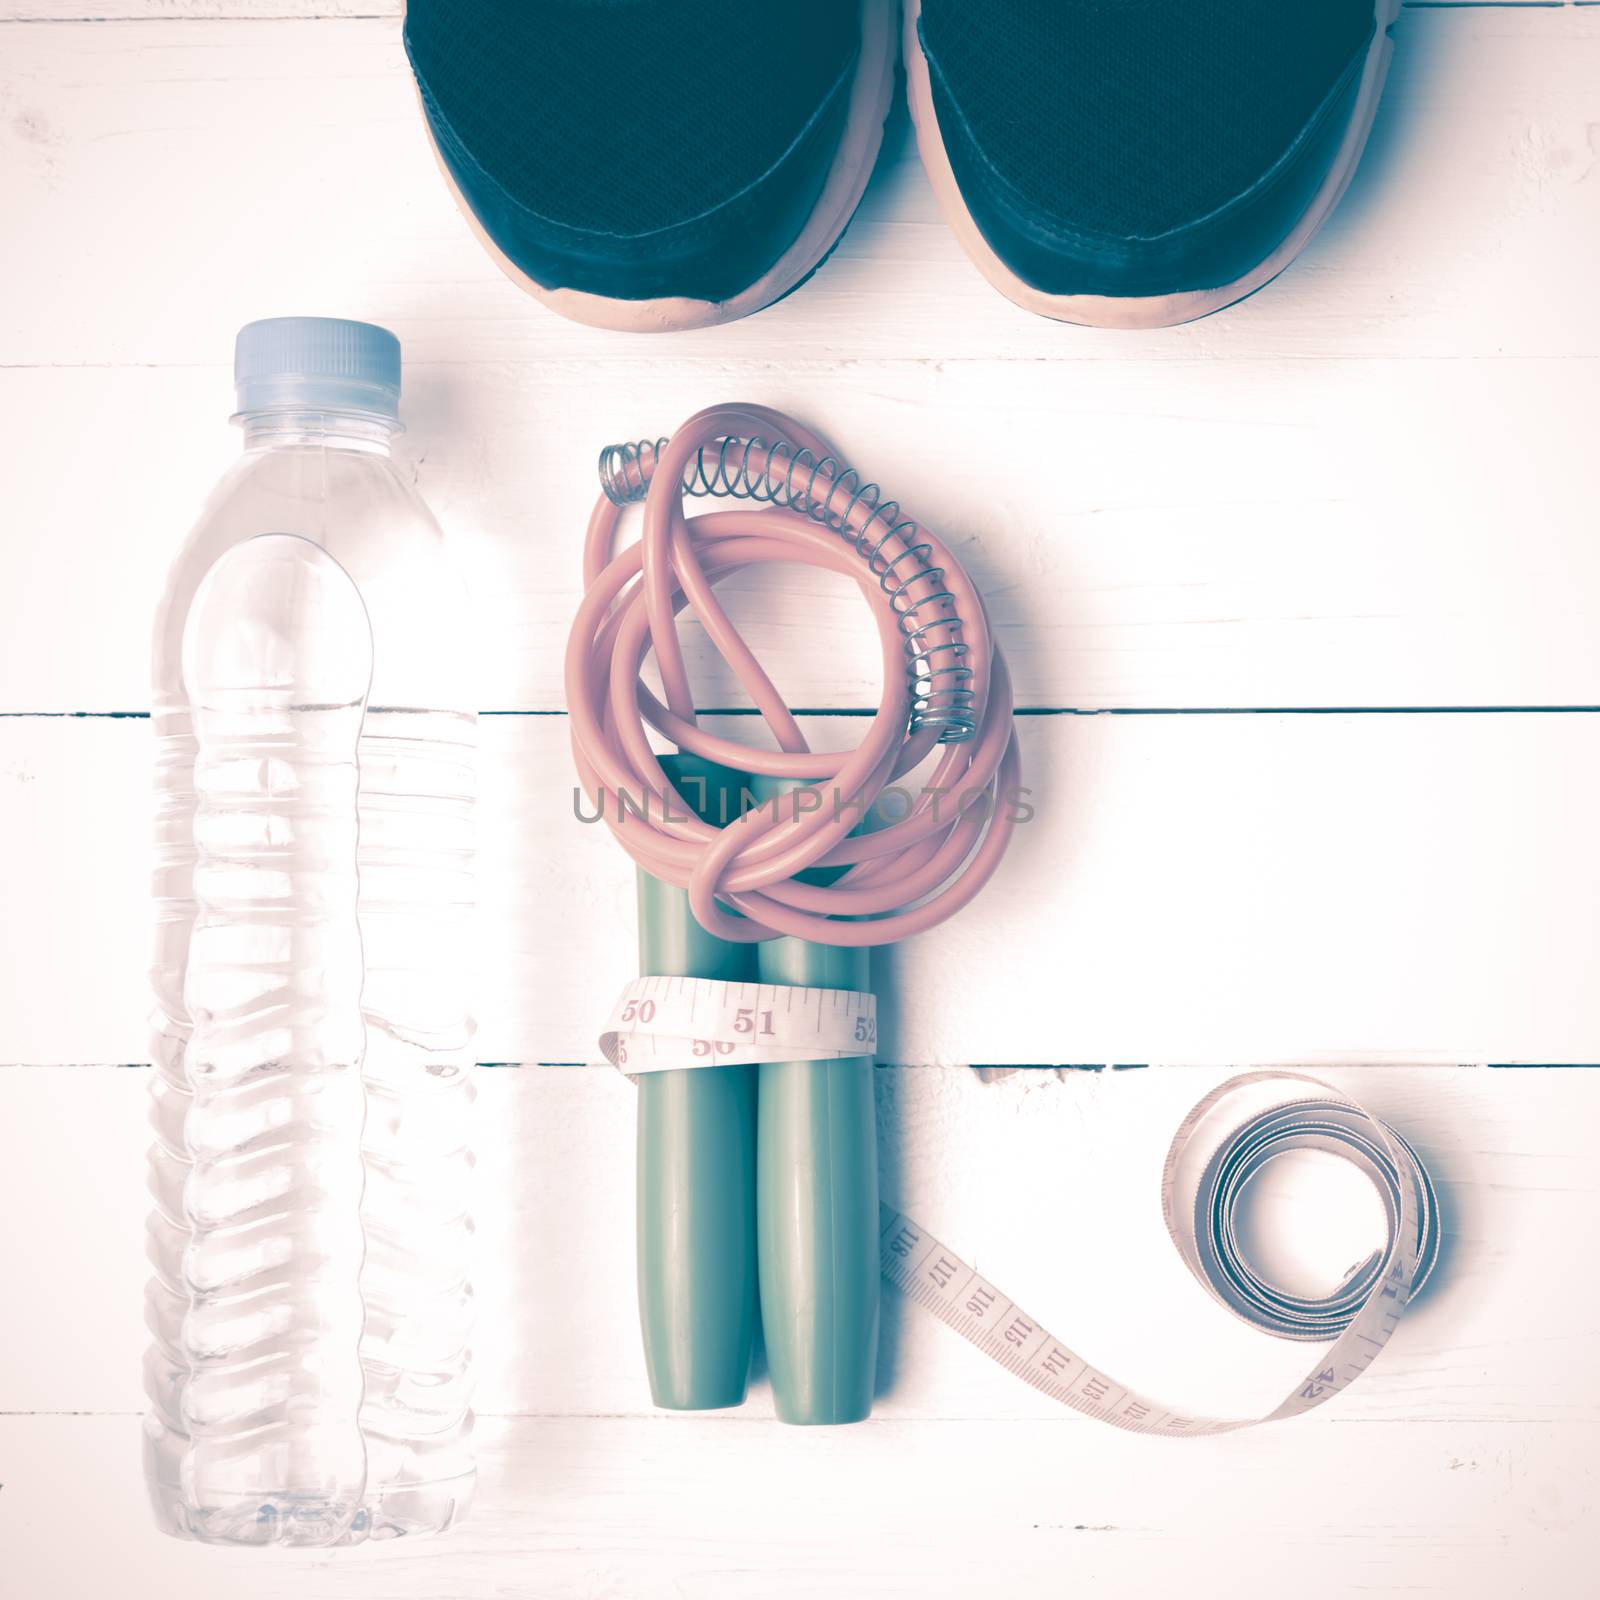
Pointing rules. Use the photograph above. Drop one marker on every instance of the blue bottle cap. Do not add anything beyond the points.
(317, 364)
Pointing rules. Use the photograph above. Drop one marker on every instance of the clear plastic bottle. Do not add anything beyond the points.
(310, 1310)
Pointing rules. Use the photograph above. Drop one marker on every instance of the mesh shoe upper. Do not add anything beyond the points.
(1112, 122)
(585, 124)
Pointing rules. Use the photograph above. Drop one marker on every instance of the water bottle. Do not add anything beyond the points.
(308, 1375)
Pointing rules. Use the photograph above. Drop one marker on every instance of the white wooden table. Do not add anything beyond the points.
(1300, 603)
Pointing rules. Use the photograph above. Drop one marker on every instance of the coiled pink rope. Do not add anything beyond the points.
(902, 878)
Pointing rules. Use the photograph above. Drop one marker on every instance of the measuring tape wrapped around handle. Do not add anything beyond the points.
(661, 1024)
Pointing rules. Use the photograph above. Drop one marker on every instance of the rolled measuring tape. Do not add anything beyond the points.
(664, 1024)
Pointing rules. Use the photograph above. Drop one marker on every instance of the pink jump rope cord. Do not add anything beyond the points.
(904, 877)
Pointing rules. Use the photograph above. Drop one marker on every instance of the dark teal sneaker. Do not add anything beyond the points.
(655, 164)
(1138, 163)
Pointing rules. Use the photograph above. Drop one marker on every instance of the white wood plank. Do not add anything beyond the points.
(1377, 479)
(1284, 533)
(1049, 1184)
(604, 1509)
(97, 11)
(1192, 888)
(1296, 525)
(138, 150)
(163, 10)
(614, 1509)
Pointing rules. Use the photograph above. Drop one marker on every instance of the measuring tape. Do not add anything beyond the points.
(663, 1024)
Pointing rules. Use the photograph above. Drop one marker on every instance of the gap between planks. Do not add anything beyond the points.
(1019, 711)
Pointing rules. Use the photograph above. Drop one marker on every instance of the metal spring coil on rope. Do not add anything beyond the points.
(781, 474)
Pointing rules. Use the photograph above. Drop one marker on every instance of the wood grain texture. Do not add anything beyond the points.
(246, 10)
(1333, 495)
(1366, 487)
(1318, 533)
(1478, 183)
(100, 11)
(1049, 1184)
(1459, 1465)
(1222, 889)
(631, 1509)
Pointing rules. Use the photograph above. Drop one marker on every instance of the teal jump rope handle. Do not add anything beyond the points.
(696, 1168)
(817, 1208)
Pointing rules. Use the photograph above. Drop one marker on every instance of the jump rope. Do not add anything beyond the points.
(765, 876)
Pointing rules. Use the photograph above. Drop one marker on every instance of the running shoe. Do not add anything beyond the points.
(655, 164)
(1138, 163)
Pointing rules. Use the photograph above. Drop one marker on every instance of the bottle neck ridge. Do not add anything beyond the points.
(343, 430)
